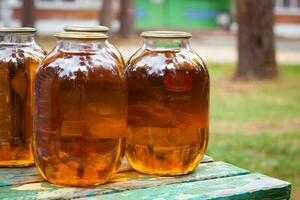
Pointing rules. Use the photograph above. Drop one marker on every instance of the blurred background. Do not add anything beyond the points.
(252, 50)
(212, 22)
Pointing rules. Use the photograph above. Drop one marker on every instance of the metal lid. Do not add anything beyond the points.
(17, 30)
(80, 35)
(101, 29)
(165, 34)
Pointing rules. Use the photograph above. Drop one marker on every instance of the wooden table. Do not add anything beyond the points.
(211, 180)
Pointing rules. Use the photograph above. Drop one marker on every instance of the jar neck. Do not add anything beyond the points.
(80, 45)
(165, 44)
(17, 38)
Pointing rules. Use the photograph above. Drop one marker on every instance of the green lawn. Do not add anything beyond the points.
(256, 125)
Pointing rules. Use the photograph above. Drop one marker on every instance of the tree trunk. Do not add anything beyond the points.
(106, 15)
(127, 18)
(256, 49)
(28, 13)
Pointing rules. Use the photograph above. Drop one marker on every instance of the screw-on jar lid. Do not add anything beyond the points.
(165, 34)
(80, 35)
(17, 30)
(101, 29)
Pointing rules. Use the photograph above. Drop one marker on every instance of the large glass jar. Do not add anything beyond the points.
(80, 111)
(19, 57)
(168, 105)
(98, 29)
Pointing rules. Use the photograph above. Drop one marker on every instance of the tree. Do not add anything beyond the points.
(106, 16)
(256, 49)
(127, 18)
(28, 13)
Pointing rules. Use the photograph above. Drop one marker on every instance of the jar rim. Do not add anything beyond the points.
(165, 34)
(80, 35)
(76, 28)
(17, 30)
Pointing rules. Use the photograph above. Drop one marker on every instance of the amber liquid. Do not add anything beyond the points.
(81, 120)
(16, 77)
(167, 113)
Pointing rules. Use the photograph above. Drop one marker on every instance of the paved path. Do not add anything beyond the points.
(222, 48)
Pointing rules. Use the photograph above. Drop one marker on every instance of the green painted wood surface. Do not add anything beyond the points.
(16, 176)
(250, 187)
(130, 180)
(211, 180)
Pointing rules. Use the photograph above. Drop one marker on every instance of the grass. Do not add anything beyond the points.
(256, 124)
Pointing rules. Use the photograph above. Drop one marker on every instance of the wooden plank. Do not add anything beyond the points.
(134, 180)
(207, 159)
(121, 182)
(17, 176)
(250, 187)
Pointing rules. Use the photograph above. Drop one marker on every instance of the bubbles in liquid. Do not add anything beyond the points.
(167, 112)
(81, 121)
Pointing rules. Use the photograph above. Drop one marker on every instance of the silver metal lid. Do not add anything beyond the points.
(80, 35)
(165, 34)
(101, 29)
(17, 30)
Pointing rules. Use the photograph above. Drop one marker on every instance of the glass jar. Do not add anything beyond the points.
(168, 105)
(19, 58)
(98, 29)
(80, 109)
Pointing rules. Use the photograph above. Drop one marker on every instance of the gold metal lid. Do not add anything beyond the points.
(80, 35)
(165, 34)
(101, 29)
(17, 30)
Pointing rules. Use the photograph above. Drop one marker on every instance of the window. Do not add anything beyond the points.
(68, 4)
(287, 7)
(286, 3)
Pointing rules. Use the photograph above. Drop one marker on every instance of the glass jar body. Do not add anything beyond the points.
(19, 59)
(80, 123)
(168, 105)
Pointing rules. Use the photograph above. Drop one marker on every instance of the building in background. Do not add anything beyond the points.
(52, 15)
(287, 18)
(190, 14)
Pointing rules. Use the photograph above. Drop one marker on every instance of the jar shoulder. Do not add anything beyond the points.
(10, 53)
(97, 65)
(185, 59)
(115, 52)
